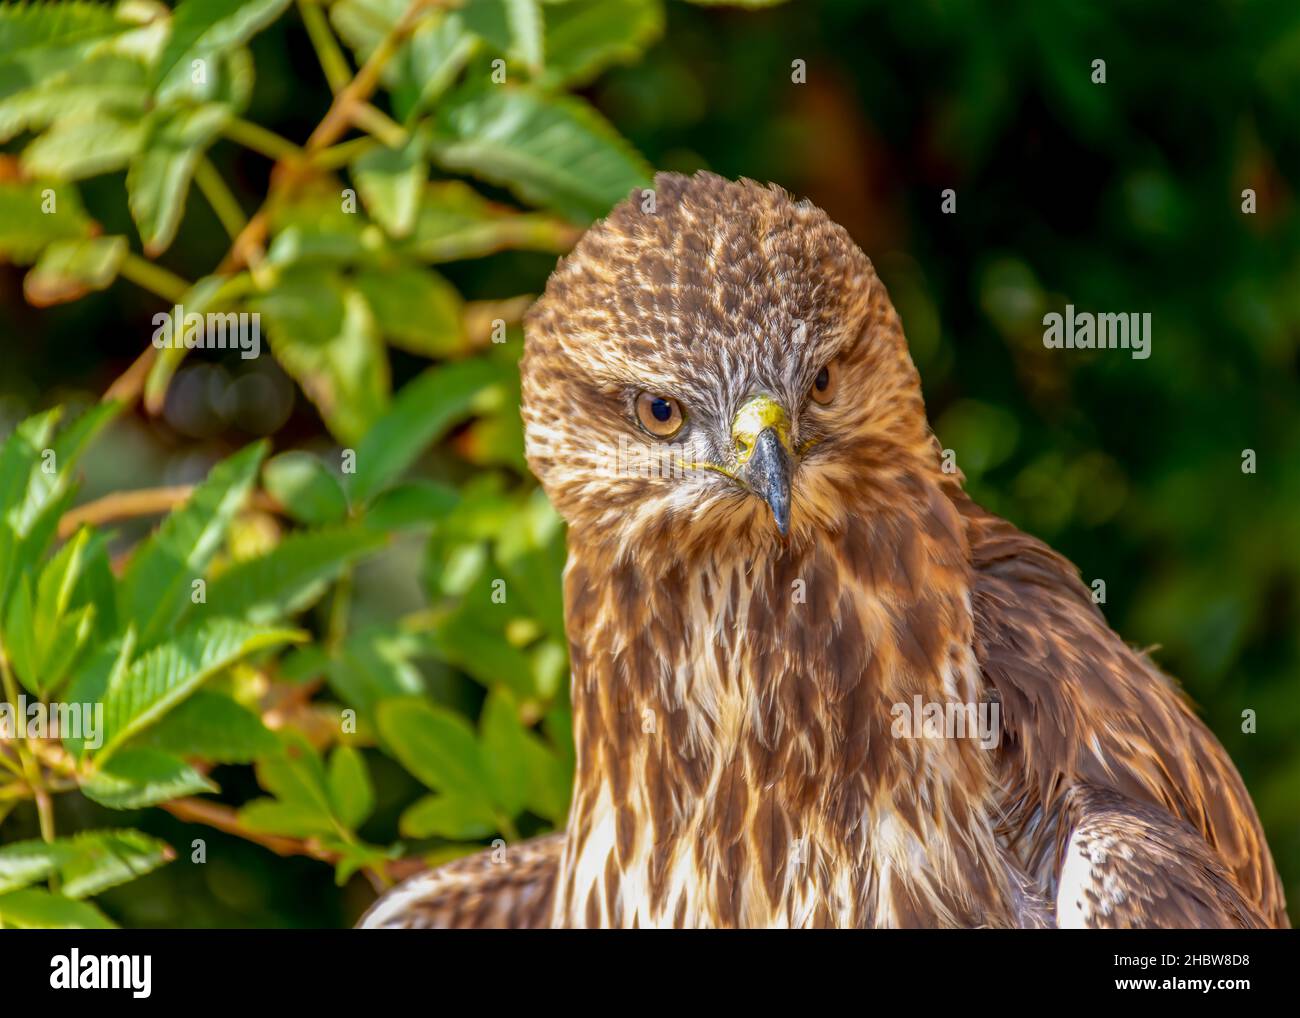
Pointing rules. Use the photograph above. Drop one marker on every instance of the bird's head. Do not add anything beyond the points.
(718, 364)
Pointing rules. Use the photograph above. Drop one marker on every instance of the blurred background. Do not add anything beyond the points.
(1122, 196)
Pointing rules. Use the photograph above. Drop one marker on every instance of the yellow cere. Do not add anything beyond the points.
(755, 417)
(751, 419)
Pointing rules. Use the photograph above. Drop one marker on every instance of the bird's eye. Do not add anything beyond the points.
(659, 415)
(823, 387)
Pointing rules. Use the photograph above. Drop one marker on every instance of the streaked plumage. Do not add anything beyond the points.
(734, 689)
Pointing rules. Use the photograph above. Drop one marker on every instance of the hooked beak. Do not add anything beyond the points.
(760, 434)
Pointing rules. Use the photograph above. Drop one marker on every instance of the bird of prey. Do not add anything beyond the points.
(770, 563)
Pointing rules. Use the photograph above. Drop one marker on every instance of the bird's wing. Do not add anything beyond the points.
(510, 888)
(1133, 866)
(1079, 706)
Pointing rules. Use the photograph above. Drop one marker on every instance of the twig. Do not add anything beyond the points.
(344, 152)
(121, 505)
(31, 769)
(154, 278)
(362, 87)
(219, 196)
(332, 60)
(479, 317)
(259, 139)
(125, 505)
(226, 819)
(10, 765)
(248, 246)
(376, 122)
(249, 234)
(126, 388)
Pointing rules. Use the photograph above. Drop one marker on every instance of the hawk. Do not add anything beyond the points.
(769, 566)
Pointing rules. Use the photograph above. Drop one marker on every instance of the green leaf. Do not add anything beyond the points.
(155, 590)
(550, 659)
(513, 27)
(432, 60)
(291, 820)
(19, 459)
(362, 24)
(390, 182)
(351, 794)
(202, 29)
(297, 779)
(505, 751)
(20, 637)
(104, 859)
(62, 641)
(36, 485)
(584, 37)
(324, 334)
(28, 451)
(309, 228)
(425, 65)
(59, 578)
(35, 214)
(69, 269)
(413, 504)
(550, 781)
(554, 151)
(73, 440)
(159, 176)
(26, 862)
(436, 745)
(169, 673)
(80, 147)
(496, 440)
(296, 773)
(107, 666)
(135, 778)
(110, 87)
(477, 645)
(36, 909)
(307, 489)
(456, 222)
(374, 664)
(422, 412)
(416, 309)
(291, 576)
(59, 632)
(533, 554)
(213, 727)
(447, 816)
(97, 586)
(353, 857)
(304, 662)
(40, 41)
(318, 245)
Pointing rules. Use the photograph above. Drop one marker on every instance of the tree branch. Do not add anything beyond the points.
(125, 505)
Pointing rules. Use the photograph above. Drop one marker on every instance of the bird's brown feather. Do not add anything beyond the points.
(496, 889)
(736, 764)
(1082, 707)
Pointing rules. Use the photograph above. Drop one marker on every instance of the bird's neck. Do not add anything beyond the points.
(741, 756)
